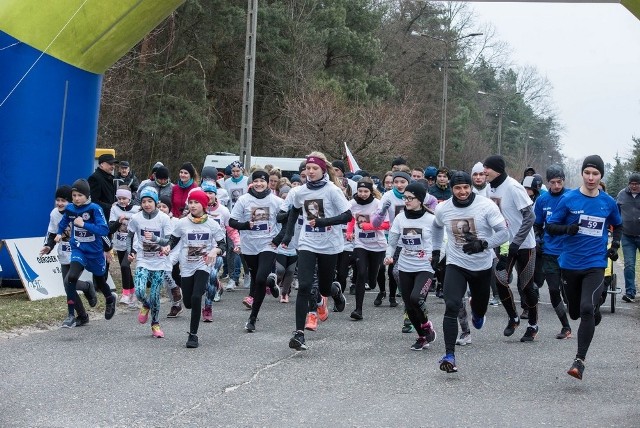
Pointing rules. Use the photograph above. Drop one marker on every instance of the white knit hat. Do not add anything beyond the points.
(479, 167)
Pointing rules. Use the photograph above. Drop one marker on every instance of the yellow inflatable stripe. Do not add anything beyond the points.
(633, 6)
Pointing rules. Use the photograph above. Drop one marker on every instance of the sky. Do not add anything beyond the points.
(590, 53)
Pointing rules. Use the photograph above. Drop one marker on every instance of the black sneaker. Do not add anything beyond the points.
(352, 290)
(250, 326)
(175, 311)
(338, 297)
(392, 302)
(525, 314)
(272, 283)
(421, 343)
(511, 326)
(297, 341)
(192, 341)
(378, 301)
(407, 327)
(627, 298)
(91, 296)
(69, 322)
(110, 308)
(356, 315)
(577, 368)
(82, 320)
(565, 333)
(530, 334)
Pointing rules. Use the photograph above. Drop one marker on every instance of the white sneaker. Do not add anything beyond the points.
(247, 281)
(231, 284)
(216, 298)
(133, 302)
(294, 285)
(464, 339)
(125, 299)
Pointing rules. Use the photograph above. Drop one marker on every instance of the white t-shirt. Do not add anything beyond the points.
(475, 221)
(511, 197)
(326, 202)
(262, 212)
(285, 207)
(370, 240)
(120, 236)
(197, 241)
(414, 237)
(397, 205)
(235, 190)
(149, 254)
(64, 248)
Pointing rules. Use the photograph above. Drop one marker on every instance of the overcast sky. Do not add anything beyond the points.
(591, 55)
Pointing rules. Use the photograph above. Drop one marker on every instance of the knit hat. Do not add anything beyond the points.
(594, 161)
(188, 166)
(199, 196)
(460, 177)
(365, 184)
(209, 186)
(260, 174)
(444, 170)
(529, 171)
(209, 172)
(398, 161)
(149, 192)
(477, 168)
(302, 166)
(64, 192)
(634, 178)
(430, 172)
(338, 164)
(418, 191)
(531, 182)
(227, 170)
(496, 163)
(82, 186)
(402, 174)
(555, 171)
(156, 166)
(166, 199)
(284, 189)
(162, 173)
(356, 177)
(123, 192)
(295, 178)
(363, 173)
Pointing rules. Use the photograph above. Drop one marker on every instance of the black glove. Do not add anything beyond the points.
(502, 263)
(321, 222)
(513, 251)
(435, 259)
(572, 229)
(475, 246)
(612, 252)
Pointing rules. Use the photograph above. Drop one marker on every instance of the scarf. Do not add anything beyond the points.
(397, 193)
(360, 201)
(498, 181)
(185, 185)
(462, 204)
(237, 180)
(414, 214)
(197, 220)
(259, 195)
(318, 184)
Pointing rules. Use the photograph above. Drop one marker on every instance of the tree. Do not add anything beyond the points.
(618, 178)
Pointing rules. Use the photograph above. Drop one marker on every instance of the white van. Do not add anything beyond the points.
(288, 166)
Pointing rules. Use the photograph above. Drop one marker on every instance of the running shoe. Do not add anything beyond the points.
(125, 299)
(248, 302)
(250, 326)
(477, 322)
(379, 298)
(494, 302)
(69, 322)
(565, 333)
(530, 334)
(91, 296)
(218, 295)
(323, 311)
(338, 297)
(207, 314)
(356, 315)
(525, 314)
(272, 284)
(175, 311)
(156, 331)
(284, 298)
(511, 326)
(247, 281)
(464, 339)
(295, 284)
(429, 332)
(192, 341)
(421, 343)
(297, 341)
(628, 298)
(224, 276)
(311, 322)
(134, 302)
(352, 290)
(392, 302)
(448, 363)
(110, 308)
(231, 285)
(407, 327)
(82, 320)
(577, 368)
(143, 315)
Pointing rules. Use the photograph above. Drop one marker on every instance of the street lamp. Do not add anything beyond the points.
(445, 79)
(500, 114)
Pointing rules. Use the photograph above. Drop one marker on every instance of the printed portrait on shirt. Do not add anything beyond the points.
(260, 218)
(399, 209)
(497, 201)
(464, 230)
(314, 208)
(362, 218)
(235, 194)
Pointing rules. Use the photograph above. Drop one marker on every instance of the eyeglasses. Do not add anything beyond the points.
(408, 198)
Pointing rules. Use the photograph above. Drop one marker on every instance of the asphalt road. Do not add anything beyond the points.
(113, 373)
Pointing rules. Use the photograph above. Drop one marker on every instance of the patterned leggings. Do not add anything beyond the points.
(140, 281)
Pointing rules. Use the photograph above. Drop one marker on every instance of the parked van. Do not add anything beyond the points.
(288, 166)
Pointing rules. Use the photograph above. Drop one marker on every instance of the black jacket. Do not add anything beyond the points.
(103, 191)
(130, 180)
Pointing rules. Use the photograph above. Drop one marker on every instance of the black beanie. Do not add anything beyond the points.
(634, 178)
(555, 171)
(162, 173)
(398, 161)
(188, 166)
(418, 191)
(496, 163)
(166, 199)
(338, 164)
(64, 192)
(210, 172)
(460, 177)
(594, 161)
(260, 174)
(82, 186)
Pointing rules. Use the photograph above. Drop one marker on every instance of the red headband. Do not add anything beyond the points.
(318, 161)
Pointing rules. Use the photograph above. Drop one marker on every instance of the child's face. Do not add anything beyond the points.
(164, 208)
(212, 197)
(78, 198)
(123, 202)
(148, 205)
(61, 204)
(195, 208)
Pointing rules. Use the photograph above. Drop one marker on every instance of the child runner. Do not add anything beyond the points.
(411, 232)
(286, 259)
(203, 241)
(172, 267)
(88, 226)
(121, 212)
(320, 242)
(63, 197)
(149, 225)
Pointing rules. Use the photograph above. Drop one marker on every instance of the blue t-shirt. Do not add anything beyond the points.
(588, 248)
(543, 208)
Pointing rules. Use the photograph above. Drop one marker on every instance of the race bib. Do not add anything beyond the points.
(366, 236)
(83, 235)
(591, 225)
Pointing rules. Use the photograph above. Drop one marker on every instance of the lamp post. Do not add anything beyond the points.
(500, 115)
(445, 86)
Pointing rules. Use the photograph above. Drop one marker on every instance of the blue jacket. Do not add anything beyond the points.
(88, 238)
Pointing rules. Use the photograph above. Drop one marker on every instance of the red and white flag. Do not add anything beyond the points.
(353, 165)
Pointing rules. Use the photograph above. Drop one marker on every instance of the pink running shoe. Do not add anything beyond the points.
(207, 314)
(248, 302)
(143, 315)
(156, 332)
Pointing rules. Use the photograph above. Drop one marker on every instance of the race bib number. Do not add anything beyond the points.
(412, 242)
(366, 236)
(260, 226)
(310, 229)
(121, 237)
(591, 225)
(83, 235)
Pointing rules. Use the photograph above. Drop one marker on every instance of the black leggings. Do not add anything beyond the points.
(583, 289)
(455, 285)
(414, 288)
(524, 265)
(306, 267)
(70, 285)
(125, 270)
(286, 271)
(393, 279)
(80, 286)
(193, 288)
(551, 271)
(342, 268)
(368, 263)
(260, 266)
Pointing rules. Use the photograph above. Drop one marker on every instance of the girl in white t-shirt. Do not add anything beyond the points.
(121, 212)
